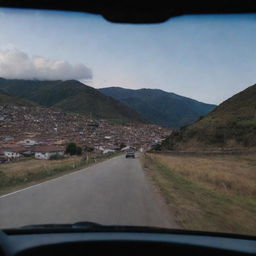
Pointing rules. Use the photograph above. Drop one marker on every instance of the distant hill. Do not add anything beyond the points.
(160, 107)
(6, 99)
(231, 125)
(71, 96)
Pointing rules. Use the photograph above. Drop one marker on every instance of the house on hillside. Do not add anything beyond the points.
(46, 151)
(8, 138)
(107, 150)
(99, 148)
(13, 152)
(128, 148)
(93, 124)
(3, 158)
(60, 142)
(28, 142)
(125, 148)
(28, 152)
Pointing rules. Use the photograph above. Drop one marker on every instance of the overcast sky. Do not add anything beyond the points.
(208, 58)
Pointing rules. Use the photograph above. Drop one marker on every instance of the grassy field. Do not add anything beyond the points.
(210, 193)
(19, 174)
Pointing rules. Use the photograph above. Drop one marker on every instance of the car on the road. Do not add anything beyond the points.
(130, 153)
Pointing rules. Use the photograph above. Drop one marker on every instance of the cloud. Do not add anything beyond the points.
(15, 64)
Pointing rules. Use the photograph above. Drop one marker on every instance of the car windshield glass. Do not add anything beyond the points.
(150, 125)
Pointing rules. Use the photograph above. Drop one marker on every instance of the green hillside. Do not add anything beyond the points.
(231, 125)
(160, 107)
(71, 96)
(6, 99)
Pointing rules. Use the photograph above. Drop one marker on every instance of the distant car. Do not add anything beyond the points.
(130, 153)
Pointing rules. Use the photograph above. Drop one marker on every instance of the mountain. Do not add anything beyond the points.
(71, 96)
(160, 107)
(6, 99)
(231, 125)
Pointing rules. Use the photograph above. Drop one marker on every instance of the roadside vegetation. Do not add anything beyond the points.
(230, 126)
(207, 192)
(22, 173)
(73, 149)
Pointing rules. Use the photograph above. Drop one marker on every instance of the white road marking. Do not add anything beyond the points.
(39, 184)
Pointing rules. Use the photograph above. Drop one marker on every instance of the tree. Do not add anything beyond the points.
(78, 150)
(88, 149)
(73, 149)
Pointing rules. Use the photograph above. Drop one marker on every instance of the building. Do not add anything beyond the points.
(28, 142)
(3, 157)
(13, 152)
(8, 138)
(46, 151)
(107, 150)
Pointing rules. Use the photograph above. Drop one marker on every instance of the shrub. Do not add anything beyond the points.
(78, 150)
(88, 149)
(73, 149)
(157, 147)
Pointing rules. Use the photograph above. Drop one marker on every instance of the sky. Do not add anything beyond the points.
(205, 57)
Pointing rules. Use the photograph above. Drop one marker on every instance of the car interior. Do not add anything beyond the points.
(87, 237)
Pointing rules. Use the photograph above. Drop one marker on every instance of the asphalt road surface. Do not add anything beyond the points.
(114, 192)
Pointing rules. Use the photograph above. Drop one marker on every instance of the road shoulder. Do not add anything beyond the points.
(166, 205)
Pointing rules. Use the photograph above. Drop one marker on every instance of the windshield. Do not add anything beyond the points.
(144, 125)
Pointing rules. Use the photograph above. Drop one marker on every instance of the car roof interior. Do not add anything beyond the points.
(136, 12)
(126, 11)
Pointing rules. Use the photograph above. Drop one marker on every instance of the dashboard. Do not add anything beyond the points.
(82, 243)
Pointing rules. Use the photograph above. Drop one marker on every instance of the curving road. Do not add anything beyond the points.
(115, 192)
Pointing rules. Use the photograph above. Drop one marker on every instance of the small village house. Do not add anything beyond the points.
(46, 151)
(28, 142)
(13, 152)
(107, 150)
(8, 138)
(3, 158)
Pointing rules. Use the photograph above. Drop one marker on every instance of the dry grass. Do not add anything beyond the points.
(27, 172)
(235, 175)
(212, 193)
(32, 165)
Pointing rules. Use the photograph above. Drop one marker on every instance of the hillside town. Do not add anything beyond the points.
(41, 132)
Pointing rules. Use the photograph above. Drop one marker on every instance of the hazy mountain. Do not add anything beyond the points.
(70, 95)
(160, 107)
(231, 125)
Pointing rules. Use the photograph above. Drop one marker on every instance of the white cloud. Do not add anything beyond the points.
(18, 65)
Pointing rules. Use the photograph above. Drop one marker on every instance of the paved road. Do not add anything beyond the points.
(112, 192)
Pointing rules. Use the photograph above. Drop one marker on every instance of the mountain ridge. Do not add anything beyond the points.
(160, 107)
(70, 95)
